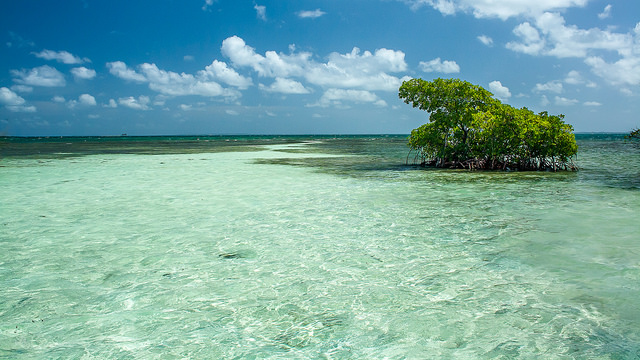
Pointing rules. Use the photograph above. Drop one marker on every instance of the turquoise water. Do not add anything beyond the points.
(312, 247)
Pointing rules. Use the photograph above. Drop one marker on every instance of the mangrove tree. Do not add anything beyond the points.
(469, 128)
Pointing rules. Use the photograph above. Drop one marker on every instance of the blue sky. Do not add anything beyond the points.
(140, 67)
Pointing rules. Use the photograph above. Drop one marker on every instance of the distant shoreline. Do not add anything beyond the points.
(53, 137)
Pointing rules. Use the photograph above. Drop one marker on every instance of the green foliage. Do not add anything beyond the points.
(469, 128)
(635, 134)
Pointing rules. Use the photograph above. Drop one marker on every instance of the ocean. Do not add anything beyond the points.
(312, 247)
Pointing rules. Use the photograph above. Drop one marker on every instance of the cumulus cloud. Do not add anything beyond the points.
(310, 14)
(84, 100)
(83, 73)
(552, 86)
(39, 76)
(338, 96)
(530, 40)
(437, 65)
(261, 12)
(500, 91)
(181, 84)
(232, 112)
(625, 71)
(141, 103)
(219, 70)
(570, 41)
(14, 102)
(121, 70)
(545, 33)
(285, 86)
(364, 70)
(111, 104)
(272, 64)
(549, 35)
(64, 57)
(573, 78)
(174, 84)
(485, 40)
(562, 101)
(58, 99)
(592, 103)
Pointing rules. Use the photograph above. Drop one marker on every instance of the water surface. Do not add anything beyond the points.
(312, 247)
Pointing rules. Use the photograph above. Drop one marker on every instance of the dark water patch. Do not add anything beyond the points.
(237, 254)
(64, 147)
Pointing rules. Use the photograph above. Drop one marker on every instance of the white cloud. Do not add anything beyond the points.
(112, 104)
(570, 41)
(261, 12)
(14, 102)
(381, 60)
(606, 12)
(141, 103)
(121, 70)
(485, 40)
(312, 14)
(532, 43)
(552, 86)
(551, 36)
(502, 9)
(232, 112)
(364, 70)
(174, 84)
(84, 100)
(188, 58)
(437, 65)
(500, 91)
(625, 71)
(272, 64)
(367, 71)
(562, 101)
(64, 57)
(83, 73)
(87, 100)
(219, 70)
(58, 99)
(336, 97)
(573, 78)
(286, 86)
(185, 107)
(592, 103)
(39, 76)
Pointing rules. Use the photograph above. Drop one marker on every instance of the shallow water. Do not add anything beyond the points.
(297, 248)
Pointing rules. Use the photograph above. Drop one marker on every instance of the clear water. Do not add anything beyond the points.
(300, 248)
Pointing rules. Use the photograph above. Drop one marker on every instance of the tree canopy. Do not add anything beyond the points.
(469, 128)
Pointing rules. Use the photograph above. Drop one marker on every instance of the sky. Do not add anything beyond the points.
(196, 67)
